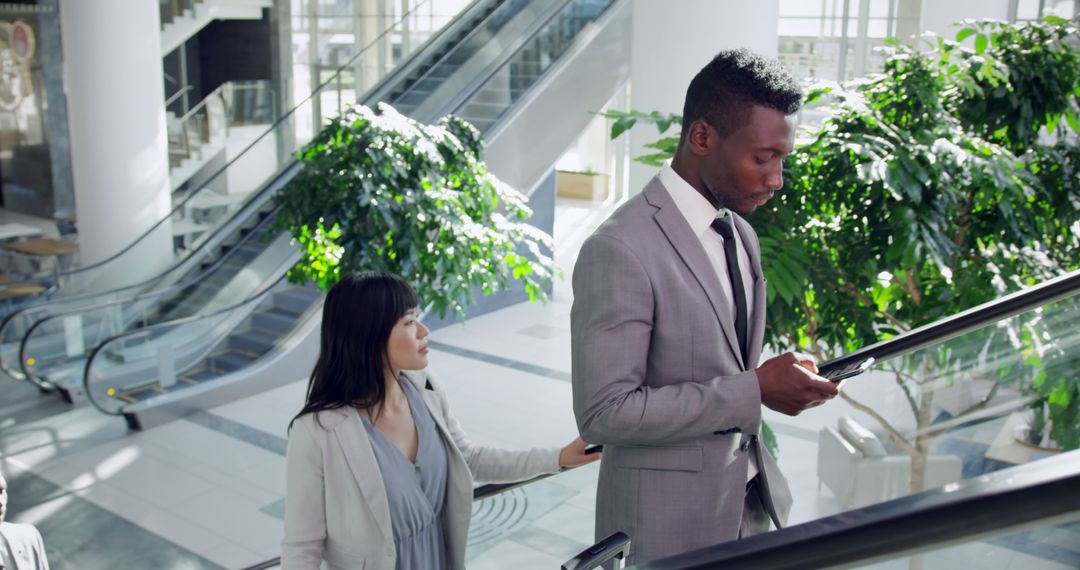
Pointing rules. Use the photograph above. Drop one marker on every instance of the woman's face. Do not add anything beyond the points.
(407, 349)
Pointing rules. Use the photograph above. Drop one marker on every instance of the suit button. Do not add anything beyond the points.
(744, 445)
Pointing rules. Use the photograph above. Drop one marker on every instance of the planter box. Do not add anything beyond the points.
(580, 185)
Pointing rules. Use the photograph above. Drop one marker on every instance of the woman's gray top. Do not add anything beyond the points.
(416, 491)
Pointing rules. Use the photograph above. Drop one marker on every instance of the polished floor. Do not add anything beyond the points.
(207, 491)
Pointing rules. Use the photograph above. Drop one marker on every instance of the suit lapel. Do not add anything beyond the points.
(673, 224)
(355, 445)
(757, 319)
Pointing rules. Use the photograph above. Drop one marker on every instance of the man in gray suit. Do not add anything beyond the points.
(668, 321)
(21, 547)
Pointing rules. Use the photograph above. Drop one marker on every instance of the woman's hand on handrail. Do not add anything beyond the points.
(574, 454)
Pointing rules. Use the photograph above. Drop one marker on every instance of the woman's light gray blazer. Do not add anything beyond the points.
(336, 508)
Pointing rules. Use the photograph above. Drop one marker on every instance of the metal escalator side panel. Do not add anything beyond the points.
(522, 146)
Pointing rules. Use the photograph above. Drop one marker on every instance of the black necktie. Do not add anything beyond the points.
(724, 226)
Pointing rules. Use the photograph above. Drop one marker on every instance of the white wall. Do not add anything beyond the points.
(673, 40)
(940, 16)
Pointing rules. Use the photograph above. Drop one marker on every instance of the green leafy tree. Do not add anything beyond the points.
(380, 191)
(946, 181)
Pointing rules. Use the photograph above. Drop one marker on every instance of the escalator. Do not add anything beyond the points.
(1014, 501)
(994, 515)
(127, 373)
(205, 222)
(1025, 517)
(53, 351)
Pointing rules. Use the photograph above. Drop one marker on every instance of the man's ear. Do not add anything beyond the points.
(700, 137)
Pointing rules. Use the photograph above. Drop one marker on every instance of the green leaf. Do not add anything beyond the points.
(622, 125)
(964, 34)
(1073, 119)
(656, 159)
(981, 42)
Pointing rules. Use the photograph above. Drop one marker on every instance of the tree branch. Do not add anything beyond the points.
(976, 406)
(907, 392)
(862, 298)
(893, 434)
(912, 290)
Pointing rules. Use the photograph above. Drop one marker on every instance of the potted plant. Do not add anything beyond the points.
(380, 191)
(583, 185)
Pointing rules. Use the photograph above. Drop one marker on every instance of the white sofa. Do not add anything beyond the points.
(853, 464)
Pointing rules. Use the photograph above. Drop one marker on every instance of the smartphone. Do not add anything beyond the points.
(853, 369)
(593, 448)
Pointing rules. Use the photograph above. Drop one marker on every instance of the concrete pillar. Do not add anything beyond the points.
(116, 110)
(672, 41)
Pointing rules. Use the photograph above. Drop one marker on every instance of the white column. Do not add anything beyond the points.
(116, 110)
(672, 41)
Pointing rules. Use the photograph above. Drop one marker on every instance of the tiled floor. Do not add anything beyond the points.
(207, 491)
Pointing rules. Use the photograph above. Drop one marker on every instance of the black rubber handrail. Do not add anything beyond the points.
(254, 298)
(430, 50)
(965, 321)
(148, 297)
(1042, 493)
(553, 9)
(476, 85)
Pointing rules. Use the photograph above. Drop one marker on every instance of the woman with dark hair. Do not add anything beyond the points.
(379, 474)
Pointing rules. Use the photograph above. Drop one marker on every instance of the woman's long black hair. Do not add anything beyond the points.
(358, 315)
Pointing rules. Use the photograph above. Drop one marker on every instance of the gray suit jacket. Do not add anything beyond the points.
(658, 379)
(27, 549)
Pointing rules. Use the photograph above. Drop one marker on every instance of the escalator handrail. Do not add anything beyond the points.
(476, 83)
(965, 321)
(500, 123)
(142, 298)
(256, 297)
(1046, 491)
(464, 18)
(285, 116)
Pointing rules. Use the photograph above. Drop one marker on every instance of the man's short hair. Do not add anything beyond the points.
(726, 89)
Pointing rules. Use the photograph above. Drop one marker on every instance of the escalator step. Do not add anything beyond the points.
(231, 360)
(272, 320)
(254, 341)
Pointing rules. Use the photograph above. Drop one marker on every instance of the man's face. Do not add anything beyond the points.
(743, 170)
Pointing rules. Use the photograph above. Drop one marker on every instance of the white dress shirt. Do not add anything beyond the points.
(699, 214)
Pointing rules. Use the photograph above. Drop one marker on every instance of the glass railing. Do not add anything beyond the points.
(944, 406)
(1022, 517)
(200, 267)
(166, 357)
(56, 348)
(486, 105)
(472, 59)
(213, 206)
(955, 399)
(205, 129)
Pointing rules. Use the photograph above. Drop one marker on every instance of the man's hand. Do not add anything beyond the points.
(790, 384)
